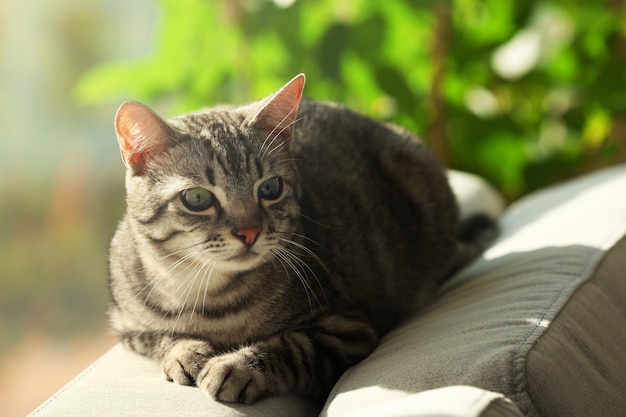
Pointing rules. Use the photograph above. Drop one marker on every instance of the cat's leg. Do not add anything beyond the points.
(307, 361)
(181, 359)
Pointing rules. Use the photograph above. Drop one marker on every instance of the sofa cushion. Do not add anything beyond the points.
(585, 347)
(448, 401)
(539, 318)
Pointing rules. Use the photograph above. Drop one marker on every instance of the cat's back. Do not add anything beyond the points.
(328, 134)
(333, 132)
(377, 204)
(340, 151)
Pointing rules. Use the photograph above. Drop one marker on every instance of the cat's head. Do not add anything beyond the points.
(216, 188)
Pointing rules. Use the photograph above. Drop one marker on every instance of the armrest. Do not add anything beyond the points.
(122, 383)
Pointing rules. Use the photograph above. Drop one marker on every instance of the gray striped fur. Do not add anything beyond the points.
(361, 234)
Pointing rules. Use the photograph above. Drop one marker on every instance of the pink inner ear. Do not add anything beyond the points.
(279, 113)
(139, 131)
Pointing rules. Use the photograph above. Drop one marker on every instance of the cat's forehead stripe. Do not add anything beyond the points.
(210, 175)
(229, 151)
(236, 159)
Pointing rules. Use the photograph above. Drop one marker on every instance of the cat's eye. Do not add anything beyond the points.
(197, 199)
(271, 189)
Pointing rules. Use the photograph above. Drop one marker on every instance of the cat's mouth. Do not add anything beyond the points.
(244, 259)
(246, 255)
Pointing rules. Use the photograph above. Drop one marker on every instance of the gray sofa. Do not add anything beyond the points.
(535, 327)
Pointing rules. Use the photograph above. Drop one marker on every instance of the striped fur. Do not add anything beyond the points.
(357, 239)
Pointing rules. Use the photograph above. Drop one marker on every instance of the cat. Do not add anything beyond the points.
(266, 248)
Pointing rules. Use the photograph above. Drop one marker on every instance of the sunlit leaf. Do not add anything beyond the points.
(485, 21)
(597, 127)
(563, 67)
(503, 156)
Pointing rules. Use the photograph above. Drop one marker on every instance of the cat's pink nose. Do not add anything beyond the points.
(248, 235)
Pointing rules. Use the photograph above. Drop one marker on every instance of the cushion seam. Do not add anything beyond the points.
(71, 383)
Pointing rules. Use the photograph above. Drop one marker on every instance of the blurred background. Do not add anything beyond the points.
(525, 94)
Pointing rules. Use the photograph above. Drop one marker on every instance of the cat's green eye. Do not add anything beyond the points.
(271, 189)
(197, 199)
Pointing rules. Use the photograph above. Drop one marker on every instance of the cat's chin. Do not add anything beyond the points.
(244, 261)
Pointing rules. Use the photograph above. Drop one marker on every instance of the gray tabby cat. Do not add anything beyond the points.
(266, 248)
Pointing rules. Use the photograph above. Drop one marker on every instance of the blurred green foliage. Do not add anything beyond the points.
(525, 93)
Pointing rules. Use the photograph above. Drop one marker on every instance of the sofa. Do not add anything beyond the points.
(535, 327)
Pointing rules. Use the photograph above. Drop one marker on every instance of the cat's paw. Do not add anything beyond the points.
(185, 360)
(234, 377)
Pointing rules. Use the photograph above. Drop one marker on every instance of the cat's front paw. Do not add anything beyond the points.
(234, 377)
(185, 360)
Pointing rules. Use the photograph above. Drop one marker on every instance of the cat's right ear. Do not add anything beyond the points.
(140, 132)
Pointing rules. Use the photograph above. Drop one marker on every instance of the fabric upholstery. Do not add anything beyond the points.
(483, 328)
(578, 366)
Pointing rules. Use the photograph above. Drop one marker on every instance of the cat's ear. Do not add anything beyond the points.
(279, 110)
(140, 132)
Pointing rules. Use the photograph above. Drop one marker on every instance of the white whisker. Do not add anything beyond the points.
(303, 266)
(183, 298)
(269, 151)
(305, 249)
(266, 148)
(205, 276)
(185, 248)
(174, 272)
(303, 237)
(280, 161)
(283, 258)
(313, 220)
(206, 288)
(261, 153)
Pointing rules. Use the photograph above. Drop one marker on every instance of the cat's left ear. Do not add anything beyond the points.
(279, 111)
